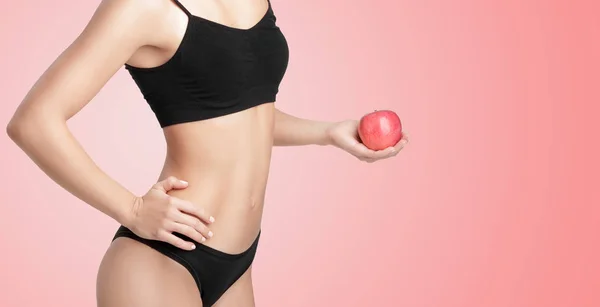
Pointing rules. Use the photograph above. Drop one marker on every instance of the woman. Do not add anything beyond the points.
(210, 71)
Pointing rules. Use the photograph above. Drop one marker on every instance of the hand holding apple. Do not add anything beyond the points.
(380, 130)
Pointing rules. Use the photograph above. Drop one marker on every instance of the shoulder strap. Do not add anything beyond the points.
(182, 7)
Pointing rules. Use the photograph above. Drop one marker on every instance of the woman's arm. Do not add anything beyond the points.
(39, 126)
(294, 131)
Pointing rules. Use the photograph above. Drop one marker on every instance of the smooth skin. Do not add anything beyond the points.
(213, 182)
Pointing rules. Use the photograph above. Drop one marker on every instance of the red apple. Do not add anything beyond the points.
(380, 129)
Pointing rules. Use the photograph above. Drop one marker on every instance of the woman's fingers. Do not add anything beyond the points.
(176, 241)
(170, 183)
(195, 224)
(399, 146)
(363, 153)
(194, 218)
(402, 143)
(187, 231)
(189, 208)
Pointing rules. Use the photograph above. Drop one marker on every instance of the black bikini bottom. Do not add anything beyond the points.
(214, 271)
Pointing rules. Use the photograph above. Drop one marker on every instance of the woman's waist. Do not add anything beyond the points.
(239, 189)
(234, 199)
(220, 180)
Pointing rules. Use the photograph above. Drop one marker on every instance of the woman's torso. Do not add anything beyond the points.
(226, 162)
(217, 141)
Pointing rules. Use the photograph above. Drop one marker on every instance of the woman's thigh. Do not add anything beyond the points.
(132, 274)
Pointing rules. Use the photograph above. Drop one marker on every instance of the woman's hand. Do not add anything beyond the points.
(157, 215)
(344, 135)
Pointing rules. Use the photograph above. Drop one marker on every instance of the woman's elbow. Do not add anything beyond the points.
(15, 129)
(23, 127)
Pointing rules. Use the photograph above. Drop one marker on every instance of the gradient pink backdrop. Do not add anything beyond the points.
(494, 203)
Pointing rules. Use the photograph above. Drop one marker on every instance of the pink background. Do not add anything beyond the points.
(494, 202)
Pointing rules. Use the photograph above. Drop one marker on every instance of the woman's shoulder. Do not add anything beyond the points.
(135, 9)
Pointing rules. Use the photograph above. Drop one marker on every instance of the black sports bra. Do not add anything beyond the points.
(216, 70)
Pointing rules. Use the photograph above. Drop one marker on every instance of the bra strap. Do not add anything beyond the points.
(182, 7)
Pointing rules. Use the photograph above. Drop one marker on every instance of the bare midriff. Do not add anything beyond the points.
(226, 162)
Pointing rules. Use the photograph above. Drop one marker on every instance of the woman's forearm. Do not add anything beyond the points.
(50, 144)
(294, 131)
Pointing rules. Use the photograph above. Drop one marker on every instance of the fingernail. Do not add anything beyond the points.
(211, 219)
(183, 181)
(203, 239)
(210, 234)
(193, 246)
